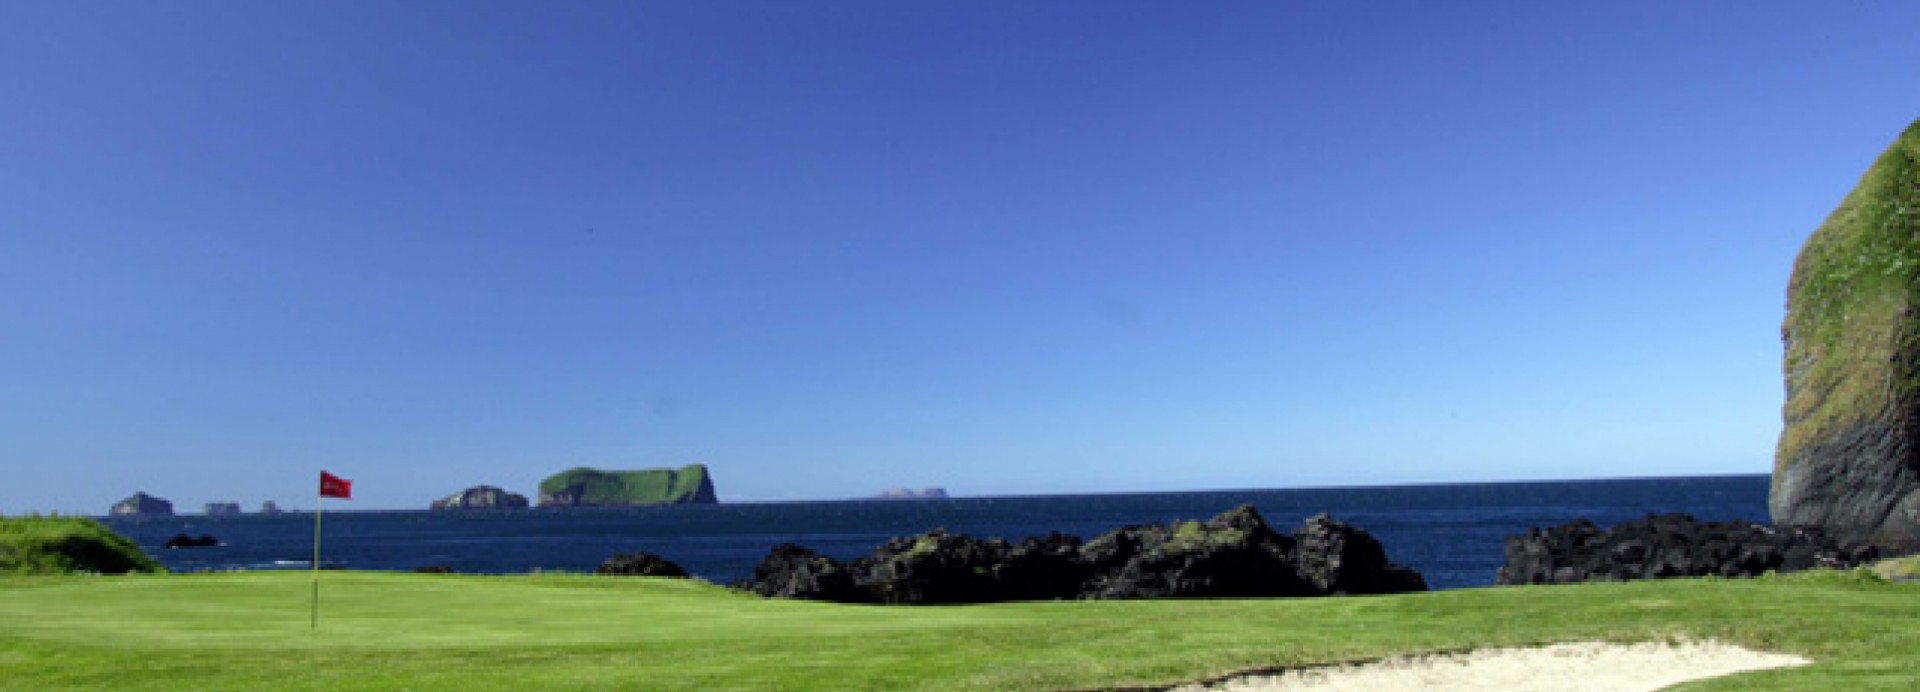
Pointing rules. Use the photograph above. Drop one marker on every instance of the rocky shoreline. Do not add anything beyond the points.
(1235, 554)
(1660, 546)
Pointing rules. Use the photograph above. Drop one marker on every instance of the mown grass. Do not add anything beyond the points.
(424, 632)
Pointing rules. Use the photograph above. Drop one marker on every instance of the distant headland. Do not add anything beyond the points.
(929, 493)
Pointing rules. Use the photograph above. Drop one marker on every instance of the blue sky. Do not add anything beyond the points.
(832, 247)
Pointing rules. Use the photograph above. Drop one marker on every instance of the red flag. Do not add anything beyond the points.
(335, 486)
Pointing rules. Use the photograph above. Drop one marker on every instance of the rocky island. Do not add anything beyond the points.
(1848, 460)
(912, 494)
(589, 487)
(480, 497)
(142, 505)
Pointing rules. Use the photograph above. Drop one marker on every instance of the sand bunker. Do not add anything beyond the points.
(1595, 666)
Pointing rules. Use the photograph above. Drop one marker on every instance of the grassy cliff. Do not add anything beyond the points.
(61, 545)
(1852, 335)
(583, 486)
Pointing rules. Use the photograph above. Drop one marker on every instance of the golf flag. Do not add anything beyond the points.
(335, 486)
(330, 486)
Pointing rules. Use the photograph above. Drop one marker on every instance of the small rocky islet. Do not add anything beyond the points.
(140, 504)
(480, 497)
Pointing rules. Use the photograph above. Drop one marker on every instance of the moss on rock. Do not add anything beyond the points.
(1848, 459)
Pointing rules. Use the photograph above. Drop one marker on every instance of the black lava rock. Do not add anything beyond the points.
(185, 541)
(1660, 546)
(1044, 568)
(1338, 558)
(1235, 554)
(792, 571)
(1232, 555)
(639, 565)
(934, 567)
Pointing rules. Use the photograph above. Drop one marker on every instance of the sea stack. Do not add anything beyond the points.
(1848, 460)
(142, 505)
(481, 497)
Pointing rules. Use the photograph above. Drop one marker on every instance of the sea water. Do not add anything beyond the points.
(1453, 534)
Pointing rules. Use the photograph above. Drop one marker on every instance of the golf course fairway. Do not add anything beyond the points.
(251, 630)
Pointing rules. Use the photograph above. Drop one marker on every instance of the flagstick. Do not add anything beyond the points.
(314, 622)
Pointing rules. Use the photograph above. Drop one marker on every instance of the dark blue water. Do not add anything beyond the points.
(1452, 534)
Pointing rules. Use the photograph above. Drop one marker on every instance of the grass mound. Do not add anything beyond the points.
(63, 545)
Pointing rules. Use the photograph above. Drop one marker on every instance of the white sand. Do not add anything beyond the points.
(1588, 666)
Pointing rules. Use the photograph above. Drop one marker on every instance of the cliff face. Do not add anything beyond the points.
(587, 487)
(1848, 460)
(142, 504)
(481, 497)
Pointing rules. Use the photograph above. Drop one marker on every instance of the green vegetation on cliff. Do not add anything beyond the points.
(1853, 311)
(62, 545)
(689, 484)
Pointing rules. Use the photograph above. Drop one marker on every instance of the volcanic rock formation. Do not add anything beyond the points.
(1670, 545)
(481, 497)
(1848, 461)
(639, 565)
(142, 504)
(1232, 555)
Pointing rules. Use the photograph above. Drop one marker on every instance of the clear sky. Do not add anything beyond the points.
(832, 247)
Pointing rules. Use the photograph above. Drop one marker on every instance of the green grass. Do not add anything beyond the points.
(424, 632)
(1851, 313)
(60, 545)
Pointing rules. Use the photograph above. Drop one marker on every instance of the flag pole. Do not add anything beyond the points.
(314, 621)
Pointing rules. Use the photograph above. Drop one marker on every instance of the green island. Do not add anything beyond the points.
(587, 487)
(65, 625)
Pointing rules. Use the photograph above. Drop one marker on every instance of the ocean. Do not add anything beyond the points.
(1453, 534)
